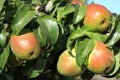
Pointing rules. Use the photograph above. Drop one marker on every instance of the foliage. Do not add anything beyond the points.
(57, 28)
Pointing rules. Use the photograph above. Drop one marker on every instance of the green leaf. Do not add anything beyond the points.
(1, 4)
(48, 29)
(117, 64)
(114, 36)
(96, 36)
(37, 2)
(39, 68)
(4, 56)
(3, 37)
(5, 77)
(23, 16)
(34, 73)
(41, 34)
(18, 3)
(63, 11)
(82, 49)
(80, 33)
(79, 13)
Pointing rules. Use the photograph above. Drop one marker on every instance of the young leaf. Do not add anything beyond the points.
(23, 16)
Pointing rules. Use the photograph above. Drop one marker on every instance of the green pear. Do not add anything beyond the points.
(25, 46)
(97, 18)
(101, 59)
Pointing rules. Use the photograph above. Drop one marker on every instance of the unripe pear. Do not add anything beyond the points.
(97, 18)
(67, 65)
(101, 59)
(25, 46)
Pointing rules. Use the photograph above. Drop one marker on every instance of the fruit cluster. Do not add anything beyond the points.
(100, 58)
(58, 40)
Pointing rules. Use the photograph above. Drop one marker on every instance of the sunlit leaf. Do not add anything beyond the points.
(79, 13)
(23, 16)
(83, 48)
(115, 34)
(41, 35)
(38, 2)
(18, 3)
(80, 33)
(3, 37)
(63, 11)
(48, 29)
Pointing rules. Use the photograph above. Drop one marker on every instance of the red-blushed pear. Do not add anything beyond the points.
(67, 65)
(97, 18)
(74, 2)
(101, 59)
(25, 46)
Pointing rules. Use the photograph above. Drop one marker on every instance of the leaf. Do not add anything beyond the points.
(4, 56)
(5, 77)
(83, 48)
(18, 3)
(41, 35)
(79, 13)
(37, 2)
(48, 29)
(34, 73)
(63, 11)
(114, 36)
(80, 33)
(96, 36)
(117, 64)
(3, 37)
(1, 4)
(23, 16)
(72, 38)
(39, 68)
(52, 26)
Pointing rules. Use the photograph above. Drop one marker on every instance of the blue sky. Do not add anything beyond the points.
(112, 5)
